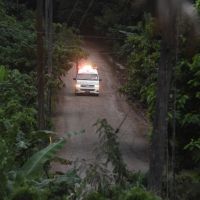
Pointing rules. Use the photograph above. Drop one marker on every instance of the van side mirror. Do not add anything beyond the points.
(74, 78)
(100, 79)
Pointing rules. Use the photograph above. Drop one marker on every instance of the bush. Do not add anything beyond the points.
(25, 193)
(138, 193)
(117, 193)
(141, 49)
(18, 39)
(95, 196)
(187, 185)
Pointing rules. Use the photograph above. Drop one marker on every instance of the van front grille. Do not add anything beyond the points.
(87, 90)
(87, 86)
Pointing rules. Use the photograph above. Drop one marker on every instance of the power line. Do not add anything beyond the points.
(101, 37)
(80, 36)
(73, 9)
(85, 13)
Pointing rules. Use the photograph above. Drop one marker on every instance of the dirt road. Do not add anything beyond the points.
(76, 113)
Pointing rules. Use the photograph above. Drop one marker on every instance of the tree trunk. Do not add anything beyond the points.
(40, 64)
(160, 126)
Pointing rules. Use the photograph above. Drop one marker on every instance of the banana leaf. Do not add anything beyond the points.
(34, 166)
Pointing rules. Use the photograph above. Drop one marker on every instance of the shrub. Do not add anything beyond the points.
(25, 193)
(138, 193)
(187, 185)
(95, 196)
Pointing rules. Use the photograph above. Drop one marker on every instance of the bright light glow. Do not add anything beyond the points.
(78, 85)
(85, 68)
(97, 86)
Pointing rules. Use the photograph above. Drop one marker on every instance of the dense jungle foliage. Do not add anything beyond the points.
(19, 134)
(132, 34)
(135, 39)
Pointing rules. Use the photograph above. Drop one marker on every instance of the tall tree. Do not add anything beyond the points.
(168, 13)
(40, 64)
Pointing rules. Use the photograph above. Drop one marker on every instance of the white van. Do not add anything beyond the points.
(87, 81)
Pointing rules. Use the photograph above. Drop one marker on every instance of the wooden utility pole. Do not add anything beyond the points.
(159, 146)
(49, 45)
(40, 65)
(49, 34)
(160, 125)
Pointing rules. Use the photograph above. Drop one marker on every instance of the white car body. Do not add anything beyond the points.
(87, 81)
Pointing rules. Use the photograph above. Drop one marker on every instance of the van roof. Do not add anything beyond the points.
(87, 71)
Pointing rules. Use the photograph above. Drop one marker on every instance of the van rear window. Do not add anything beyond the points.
(87, 77)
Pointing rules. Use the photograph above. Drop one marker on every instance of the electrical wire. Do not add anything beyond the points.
(74, 46)
(73, 9)
(80, 36)
(85, 13)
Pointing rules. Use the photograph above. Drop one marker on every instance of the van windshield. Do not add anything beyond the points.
(87, 77)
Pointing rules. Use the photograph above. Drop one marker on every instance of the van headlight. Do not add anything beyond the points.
(97, 87)
(78, 85)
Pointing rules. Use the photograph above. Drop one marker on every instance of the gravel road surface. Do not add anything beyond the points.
(77, 113)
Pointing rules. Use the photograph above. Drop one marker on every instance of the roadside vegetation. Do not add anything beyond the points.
(135, 38)
(20, 137)
(26, 151)
(140, 53)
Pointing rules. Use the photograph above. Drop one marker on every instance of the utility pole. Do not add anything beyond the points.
(40, 64)
(160, 125)
(49, 44)
(159, 143)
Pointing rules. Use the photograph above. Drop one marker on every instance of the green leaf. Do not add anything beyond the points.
(3, 73)
(34, 165)
(70, 178)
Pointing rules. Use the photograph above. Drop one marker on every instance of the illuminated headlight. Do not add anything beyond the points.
(97, 87)
(78, 85)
